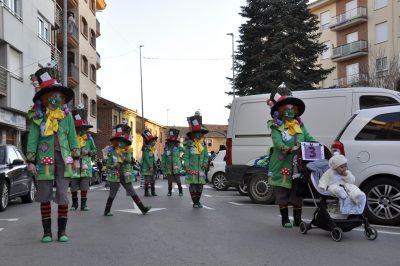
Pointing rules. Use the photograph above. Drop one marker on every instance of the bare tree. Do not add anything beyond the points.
(384, 71)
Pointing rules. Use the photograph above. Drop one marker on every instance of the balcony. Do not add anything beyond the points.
(72, 38)
(352, 81)
(3, 81)
(97, 28)
(58, 20)
(73, 75)
(349, 51)
(98, 60)
(100, 5)
(350, 18)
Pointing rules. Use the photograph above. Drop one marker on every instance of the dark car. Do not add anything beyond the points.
(15, 180)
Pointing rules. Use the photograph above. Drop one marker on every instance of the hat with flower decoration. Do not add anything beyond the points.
(46, 80)
(283, 96)
(147, 136)
(195, 124)
(173, 135)
(80, 114)
(122, 132)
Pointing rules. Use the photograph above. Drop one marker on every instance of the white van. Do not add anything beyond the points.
(248, 137)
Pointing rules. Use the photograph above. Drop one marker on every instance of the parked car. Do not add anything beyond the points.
(15, 180)
(248, 137)
(96, 176)
(371, 142)
(216, 174)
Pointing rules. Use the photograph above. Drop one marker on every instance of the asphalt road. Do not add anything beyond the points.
(229, 230)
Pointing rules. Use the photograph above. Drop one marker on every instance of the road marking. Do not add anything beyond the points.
(207, 186)
(105, 189)
(217, 196)
(137, 211)
(1, 229)
(96, 187)
(183, 186)
(206, 207)
(10, 220)
(237, 204)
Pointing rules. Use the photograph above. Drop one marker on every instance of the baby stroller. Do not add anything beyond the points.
(323, 217)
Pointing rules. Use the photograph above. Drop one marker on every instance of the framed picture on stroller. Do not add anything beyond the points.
(312, 151)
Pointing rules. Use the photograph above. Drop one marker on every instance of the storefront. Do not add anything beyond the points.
(12, 129)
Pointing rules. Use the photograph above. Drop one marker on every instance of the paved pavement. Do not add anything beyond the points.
(229, 230)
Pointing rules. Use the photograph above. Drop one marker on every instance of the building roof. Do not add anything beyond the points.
(104, 103)
(319, 3)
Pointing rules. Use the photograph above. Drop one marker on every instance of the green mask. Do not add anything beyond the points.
(55, 100)
(121, 144)
(289, 112)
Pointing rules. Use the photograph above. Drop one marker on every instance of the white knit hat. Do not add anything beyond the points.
(337, 160)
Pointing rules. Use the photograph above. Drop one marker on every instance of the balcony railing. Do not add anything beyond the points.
(98, 60)
(58, 20)
(73, 75)
(3, 81)
(350, 18)
(350, 50)
(352, 81)
(57, 57)
(98, 33)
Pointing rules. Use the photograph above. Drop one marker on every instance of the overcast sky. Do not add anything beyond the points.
(185, 59)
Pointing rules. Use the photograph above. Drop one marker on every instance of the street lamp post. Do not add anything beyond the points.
(141, 84)
(233, 63)
(167, 116)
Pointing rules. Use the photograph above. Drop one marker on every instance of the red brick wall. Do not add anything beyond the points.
(104, 129)
(341, 66)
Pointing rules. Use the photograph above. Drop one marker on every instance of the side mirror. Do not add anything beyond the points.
(18, 162)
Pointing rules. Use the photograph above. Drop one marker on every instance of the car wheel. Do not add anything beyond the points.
(383, 202)
(4, 195)
(219, 181)
(259, 190)
(242, 189)
(30, 197)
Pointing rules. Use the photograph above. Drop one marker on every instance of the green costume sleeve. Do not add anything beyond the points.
(186, 155)
(33, 139)
(93, 148)
(204, 156)
(72, 138)
(163, 162)
(307, 135)
(277, 140)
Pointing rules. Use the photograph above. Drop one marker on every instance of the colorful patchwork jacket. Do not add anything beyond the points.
(148, 162)
(86, 160)
(40, 148)
(119, 163)
(171, 159)
(195, 164)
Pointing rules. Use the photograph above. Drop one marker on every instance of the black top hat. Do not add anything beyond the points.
(173, 135)
(147, 136)
(286, 98)
(195, 124)
(122, 132)
(80, 115)
(45, 80)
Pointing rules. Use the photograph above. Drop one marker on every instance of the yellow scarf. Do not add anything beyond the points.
(52, 121)
(153, 149)
(293, 127)
(198, 143)
(82, 140)
(121, 153)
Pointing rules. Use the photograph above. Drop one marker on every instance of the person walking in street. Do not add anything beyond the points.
(148, 162)
(80, 178)
(196, 158)
(171, 160)
(119, 167)
(52, 149)
(287, 131)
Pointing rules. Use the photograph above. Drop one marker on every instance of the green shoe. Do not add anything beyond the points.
(47, 239)
(169, 194)
(180, 194)
(199, 205)
(109, 214)
(288, 225)
(73, 208)
(63, 238)
(85, 209)
(195, 205)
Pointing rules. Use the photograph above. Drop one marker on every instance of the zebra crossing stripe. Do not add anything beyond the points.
(1, 229)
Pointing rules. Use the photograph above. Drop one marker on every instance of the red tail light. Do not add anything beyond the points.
(337, 146)
(228, 156)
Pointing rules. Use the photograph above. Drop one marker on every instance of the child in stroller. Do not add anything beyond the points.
(351, 207)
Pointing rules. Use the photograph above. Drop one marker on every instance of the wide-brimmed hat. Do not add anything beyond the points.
(80, 115)
(147, 136)
(173, 135)
(45, 80)
(285, 97)
(122, 132)
(195, 124)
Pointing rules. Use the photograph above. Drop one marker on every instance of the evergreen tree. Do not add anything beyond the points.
(278, 43)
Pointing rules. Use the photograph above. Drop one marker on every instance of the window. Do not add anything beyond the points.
(161, 137)
(85, 28)
(92, 38)
(92, 5)
(85, 65)
(115, 118)
(43, 29)
(352, 74)
(381, 66)
(328, 50)
(15, 63)
(14, 6)
(93, 73)
(11, 154)
(381, 32)
(325, 19)
(384, 127)
(85, 101)
(209, 142)
(3, 155)
(380, 3)
(352, 37)
(369, 101)
(93, 108)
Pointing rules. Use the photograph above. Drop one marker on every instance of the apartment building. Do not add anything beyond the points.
(25, 43)
(83, 60)
(361, 37)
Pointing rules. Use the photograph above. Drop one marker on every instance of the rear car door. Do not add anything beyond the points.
(14, 172)
(24, 177)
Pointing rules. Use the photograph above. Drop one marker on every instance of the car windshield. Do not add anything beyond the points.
(2, 155)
